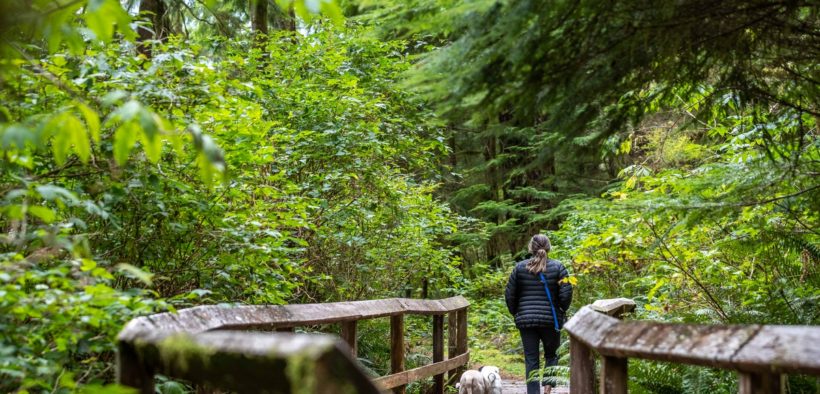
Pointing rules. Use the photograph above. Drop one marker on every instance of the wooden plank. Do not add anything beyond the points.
(433, 307)
(706, 345)
(756, 383)
(461, 339)
(255, 362)
(348, 334)
(438, 352)
(613, 375)
(452, 336)
(782, 349)
(214, 317)
(582, 367)
(397, 349)
(406, 377)
(614, 307)
(590, 327)
(683, 343)
(751, 348)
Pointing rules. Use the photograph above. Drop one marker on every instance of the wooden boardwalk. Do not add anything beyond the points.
(518, 387)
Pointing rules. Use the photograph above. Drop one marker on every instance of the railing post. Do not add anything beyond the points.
(131, 371)
(438, 351)
(452, 336)
(461, 341)
(613, 375)
(614, 369)
(348, 334)
(582, 368)
(397, 348)
(760, 383)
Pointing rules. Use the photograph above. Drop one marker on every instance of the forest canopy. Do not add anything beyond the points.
(161, 154)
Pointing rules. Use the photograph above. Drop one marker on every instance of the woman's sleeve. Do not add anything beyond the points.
(510, 293)
(564, 289)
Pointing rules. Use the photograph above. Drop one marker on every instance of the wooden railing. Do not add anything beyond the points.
(761, 354)
(193, 345)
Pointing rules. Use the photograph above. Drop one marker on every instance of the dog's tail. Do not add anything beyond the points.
(467, 390)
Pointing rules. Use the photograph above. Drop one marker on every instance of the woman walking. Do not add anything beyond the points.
(538, 314)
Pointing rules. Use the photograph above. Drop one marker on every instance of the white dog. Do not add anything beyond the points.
(492, 379)
(472, 382)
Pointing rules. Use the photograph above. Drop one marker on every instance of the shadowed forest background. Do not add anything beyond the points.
(160, 154)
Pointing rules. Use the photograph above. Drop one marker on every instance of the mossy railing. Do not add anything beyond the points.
(761, 354)
(194, 345)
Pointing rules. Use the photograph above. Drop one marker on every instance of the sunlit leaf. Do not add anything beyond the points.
(152, 145)
(136, 273)
(78, 137)
(92, 120)
(44, 213)
(124, 139)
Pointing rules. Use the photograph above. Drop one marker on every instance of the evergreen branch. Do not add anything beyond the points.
(678, 264)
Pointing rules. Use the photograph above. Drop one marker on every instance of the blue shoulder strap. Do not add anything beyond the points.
(549, 297)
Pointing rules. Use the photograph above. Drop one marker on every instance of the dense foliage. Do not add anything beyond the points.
(283, 172)
(159, 154)
(672, 147)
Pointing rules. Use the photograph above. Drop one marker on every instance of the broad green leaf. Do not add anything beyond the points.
(99, 22)
(17, 136)
(124, 139)
(330, 9)
(5, 115)
(61, 142)
(88, 265)
(136, 273)
(59, 60)
(302, 10)
(103, 15)
(152, 145)
(101, 272)
(658, 285)
(96, 5)
(92, 120)
(148, 122)
(123, 20)
(53, 193)
(14, 211)
(127, 111)
(45, 214)
(78, 137)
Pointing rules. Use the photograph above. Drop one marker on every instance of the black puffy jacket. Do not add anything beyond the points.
(527, 300)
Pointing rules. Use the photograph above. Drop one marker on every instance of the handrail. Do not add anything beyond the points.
(182, 345)
(760, 353)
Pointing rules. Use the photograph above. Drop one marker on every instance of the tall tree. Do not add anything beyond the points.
(156, 12)
(259, 17)
(265, 16)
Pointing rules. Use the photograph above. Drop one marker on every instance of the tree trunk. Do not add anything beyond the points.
(494, 179)
(259, 17)
(155, 12)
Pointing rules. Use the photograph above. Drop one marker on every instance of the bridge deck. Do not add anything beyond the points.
(518, 387)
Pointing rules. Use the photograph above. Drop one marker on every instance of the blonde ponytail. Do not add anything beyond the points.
(539, 247)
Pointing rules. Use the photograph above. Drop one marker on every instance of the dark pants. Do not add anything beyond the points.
(531, 338)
